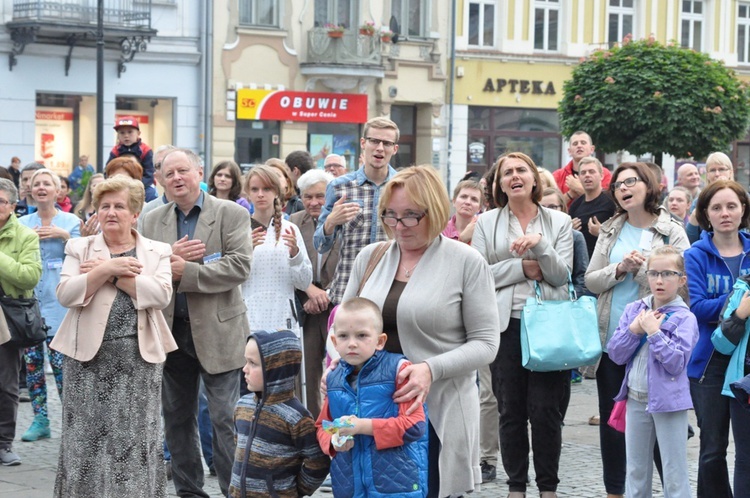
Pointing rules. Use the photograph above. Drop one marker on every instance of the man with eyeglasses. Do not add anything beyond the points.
(351, 208)
(335, 165)
(567, 177)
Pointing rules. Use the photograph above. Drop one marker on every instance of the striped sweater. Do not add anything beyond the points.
(284, 458)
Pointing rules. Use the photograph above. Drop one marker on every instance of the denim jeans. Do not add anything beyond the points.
(740, 416)
(712, 412)
(609, 377)
(525, 396)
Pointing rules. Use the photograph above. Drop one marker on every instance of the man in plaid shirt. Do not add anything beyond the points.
(351, 209)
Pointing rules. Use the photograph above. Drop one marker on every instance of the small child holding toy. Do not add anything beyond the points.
(360, 426)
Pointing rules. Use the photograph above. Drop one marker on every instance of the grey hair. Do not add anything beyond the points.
(193, 158)
(8, 186)
(340, 160)
(32, 167)
(313, 177)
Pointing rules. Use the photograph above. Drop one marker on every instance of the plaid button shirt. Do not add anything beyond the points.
(364, 229)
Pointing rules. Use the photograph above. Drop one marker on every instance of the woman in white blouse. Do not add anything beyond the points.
(280, 261)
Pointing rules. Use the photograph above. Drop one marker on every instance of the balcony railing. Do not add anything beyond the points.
(351, 48)
(128, 14)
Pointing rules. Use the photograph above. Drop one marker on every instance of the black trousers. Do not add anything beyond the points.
(525, 396)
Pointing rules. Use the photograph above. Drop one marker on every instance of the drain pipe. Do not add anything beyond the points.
(206, 97)
(450, 96)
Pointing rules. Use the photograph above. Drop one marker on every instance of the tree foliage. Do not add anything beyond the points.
(645, 97)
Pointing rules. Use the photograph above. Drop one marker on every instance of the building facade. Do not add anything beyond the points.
(152, 69)
(291, 75)
(514, 55)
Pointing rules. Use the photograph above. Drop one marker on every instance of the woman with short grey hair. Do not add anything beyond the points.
(22, 267)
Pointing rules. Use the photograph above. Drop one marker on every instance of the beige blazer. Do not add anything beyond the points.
(81, 332)
(218, 318)
(329, 260)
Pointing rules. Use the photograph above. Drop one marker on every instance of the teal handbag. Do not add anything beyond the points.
(559, 335)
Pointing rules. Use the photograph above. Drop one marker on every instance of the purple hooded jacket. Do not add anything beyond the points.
(668, 354)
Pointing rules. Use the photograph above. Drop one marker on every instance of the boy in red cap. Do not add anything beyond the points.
(129, 142)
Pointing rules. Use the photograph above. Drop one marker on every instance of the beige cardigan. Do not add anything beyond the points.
(81, 332)
(446, 318)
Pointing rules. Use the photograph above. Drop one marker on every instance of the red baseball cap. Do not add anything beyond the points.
(126, 121)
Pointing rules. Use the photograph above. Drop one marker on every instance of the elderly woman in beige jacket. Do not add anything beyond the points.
(525, 243)
(115, 341)
(617, 273)
(438, 309)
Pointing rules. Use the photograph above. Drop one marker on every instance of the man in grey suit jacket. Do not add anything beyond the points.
(211, 257)
(315, 299)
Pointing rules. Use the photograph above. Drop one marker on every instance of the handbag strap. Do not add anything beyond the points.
(571, 290)
(375, 258)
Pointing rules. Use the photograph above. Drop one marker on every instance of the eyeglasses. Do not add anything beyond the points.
(556, 207)
(4, 203)
(718, 171)
(628, 182)
(331, 166)
(376, 141)
(666, 274)
(407, 221)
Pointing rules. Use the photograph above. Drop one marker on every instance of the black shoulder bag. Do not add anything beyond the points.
(24, 319)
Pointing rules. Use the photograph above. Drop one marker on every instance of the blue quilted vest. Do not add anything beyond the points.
(364, 470)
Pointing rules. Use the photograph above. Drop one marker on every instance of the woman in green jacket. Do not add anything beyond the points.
(20, 270)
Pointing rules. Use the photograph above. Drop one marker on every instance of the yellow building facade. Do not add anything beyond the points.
(291, 75)
(512, 57)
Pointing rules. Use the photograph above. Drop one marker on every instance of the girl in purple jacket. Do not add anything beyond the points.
(655, 338)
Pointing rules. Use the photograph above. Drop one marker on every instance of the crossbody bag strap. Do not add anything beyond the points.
(375, 258)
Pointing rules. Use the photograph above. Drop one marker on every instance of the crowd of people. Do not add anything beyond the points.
(306, 322)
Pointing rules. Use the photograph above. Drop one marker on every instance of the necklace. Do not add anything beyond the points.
(408, 273)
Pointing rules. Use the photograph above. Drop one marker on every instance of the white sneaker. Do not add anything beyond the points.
(8, 458)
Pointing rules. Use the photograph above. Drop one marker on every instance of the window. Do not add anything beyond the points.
(743, 33)
(342, 12)
(411, 16)
(405, 116)
(621, 14)
(546, 23)
(259, 13)
(482, 23)
(692, 24)
(494, 131)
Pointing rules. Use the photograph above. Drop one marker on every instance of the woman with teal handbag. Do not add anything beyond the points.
(525, 243)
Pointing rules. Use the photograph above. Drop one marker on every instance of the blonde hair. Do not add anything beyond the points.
(381, 124)
(118, 183)
(83, 206)
(269, 178)
(280, 166)
(592, 160)
(45, 171)
(424, 188)
(547, 179)
(671, 252)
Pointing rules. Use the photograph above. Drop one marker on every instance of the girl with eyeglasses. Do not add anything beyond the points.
(654, 340)
(617, 273)
(714, 264)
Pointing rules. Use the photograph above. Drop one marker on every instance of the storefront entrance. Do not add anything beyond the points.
(256, 142)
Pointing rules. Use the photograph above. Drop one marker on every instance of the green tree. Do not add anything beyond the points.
(645, 97)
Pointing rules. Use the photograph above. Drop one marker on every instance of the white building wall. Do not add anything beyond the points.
(169, 69)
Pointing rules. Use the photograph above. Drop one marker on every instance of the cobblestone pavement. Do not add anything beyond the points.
(580, 465)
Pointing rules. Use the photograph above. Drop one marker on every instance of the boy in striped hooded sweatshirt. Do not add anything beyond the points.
(277, 451)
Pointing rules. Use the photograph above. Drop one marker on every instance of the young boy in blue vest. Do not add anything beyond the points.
(388, 453)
